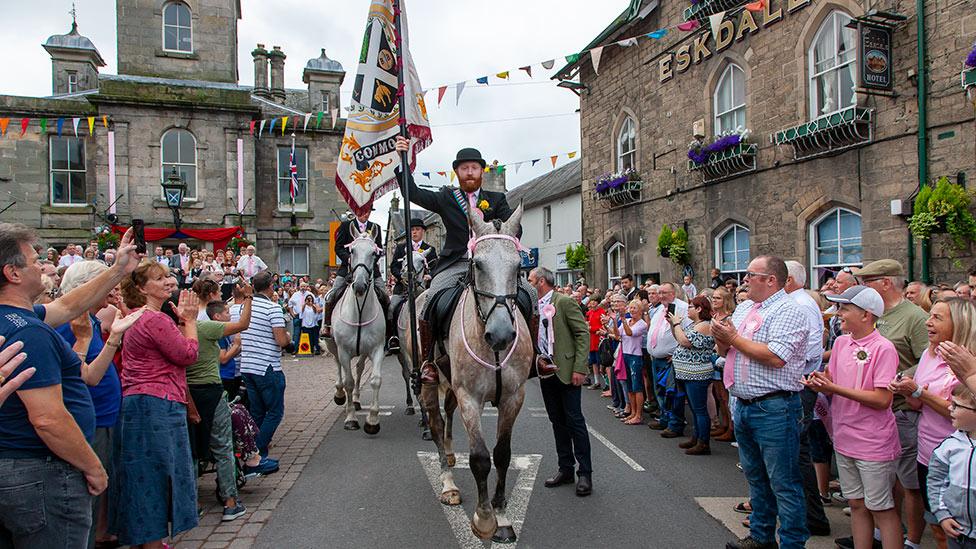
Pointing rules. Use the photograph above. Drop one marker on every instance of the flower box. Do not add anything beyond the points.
(829, 134)
(620, 188)
(968, 78)
(726, 164)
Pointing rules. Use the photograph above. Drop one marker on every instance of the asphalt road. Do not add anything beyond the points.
(375, 491)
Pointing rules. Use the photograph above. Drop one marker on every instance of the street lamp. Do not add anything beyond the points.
(174, 188)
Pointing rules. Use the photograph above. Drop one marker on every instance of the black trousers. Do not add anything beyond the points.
(816, 518)
(568, 425)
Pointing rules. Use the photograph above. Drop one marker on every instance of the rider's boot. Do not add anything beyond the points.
(428, 370)
(392, 345)
(327, 317)
(544, 366)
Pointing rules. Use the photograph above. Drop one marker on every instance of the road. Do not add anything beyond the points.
(364, 491)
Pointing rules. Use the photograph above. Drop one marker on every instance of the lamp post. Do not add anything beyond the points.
(174, 188)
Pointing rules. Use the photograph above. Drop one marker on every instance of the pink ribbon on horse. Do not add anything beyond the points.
(548, 311)
(472, 242)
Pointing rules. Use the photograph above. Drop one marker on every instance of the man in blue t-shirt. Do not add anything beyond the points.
(49, 468)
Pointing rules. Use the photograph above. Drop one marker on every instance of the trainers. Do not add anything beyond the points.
(749, 543)
(231, 513)
(262, 468)
(848, 543)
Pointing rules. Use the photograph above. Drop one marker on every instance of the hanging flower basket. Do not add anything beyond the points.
(619, 188)
(699, 153)
(944, 209)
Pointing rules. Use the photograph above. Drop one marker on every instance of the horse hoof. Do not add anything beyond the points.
(409, 411)
(486, 534)
(357, 406)
(504, 534)
(351, 425)
(451, 460)
(339, 399)
(371, 429)
(426, 435)
(451, 497)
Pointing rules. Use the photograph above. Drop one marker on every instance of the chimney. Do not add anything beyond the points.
(277, 74)
(261, 71)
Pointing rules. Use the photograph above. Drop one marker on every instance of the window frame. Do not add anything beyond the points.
(630, 153)
(163, 172)
(292, 247)
(326, 102)
(735, 229)
(175, 4)
(834, 24)
(813, 238)
(729, 73)
(546, 223)
(618, 248)
(72, 81)
(51, 171)
(286, 205)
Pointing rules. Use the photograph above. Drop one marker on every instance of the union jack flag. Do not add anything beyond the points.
(293, 171)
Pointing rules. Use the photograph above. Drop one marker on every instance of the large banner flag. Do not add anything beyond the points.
(368, 157)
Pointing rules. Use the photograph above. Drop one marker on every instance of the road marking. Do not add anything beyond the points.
(613, 448)
(527, 466)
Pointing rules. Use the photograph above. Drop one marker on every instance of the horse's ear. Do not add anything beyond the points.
(355, 230)
(514, 223)
(477, 222)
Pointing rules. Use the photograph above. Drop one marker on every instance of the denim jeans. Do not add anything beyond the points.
(698, 400)
(267, 399)
(296, 331)
(44, 502)
(658, 366)
(768, 433)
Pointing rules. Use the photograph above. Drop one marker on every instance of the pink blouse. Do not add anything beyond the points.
(155, 356)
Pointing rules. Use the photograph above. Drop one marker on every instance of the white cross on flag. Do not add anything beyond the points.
(368, 157)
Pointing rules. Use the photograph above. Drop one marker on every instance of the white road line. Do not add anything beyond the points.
(613, 448)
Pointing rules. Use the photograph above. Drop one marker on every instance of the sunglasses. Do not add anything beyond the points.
(954, 405)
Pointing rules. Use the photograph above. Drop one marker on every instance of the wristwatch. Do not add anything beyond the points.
(917, 393)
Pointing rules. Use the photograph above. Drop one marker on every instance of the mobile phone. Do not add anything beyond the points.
(627, 315)
(671, 308)
(898, 377)
(139, 231)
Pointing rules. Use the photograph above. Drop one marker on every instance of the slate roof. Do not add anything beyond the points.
(558, 183)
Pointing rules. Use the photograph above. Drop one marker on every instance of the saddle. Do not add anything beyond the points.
(440, 310)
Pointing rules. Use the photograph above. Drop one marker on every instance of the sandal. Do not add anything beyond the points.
(746, 523)
(634, 421)
(743, 507)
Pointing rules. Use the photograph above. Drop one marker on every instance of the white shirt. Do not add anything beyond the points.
(690, 290)
(162, 260)
(813, 320)
(666, 343)
(296, 303)
(69, 260)
(250, 265)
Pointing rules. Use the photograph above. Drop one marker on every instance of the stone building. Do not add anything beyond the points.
(827, 174)
(176, 103)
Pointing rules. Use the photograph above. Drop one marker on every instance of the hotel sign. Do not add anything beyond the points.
(874, 56)
(697, 50)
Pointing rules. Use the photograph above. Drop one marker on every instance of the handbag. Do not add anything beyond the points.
(606, 352)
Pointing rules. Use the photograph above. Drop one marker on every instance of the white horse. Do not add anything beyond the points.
(420, 269)
(359, 330)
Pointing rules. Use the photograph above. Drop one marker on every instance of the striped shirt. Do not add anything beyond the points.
(784, 330)
(258, 346)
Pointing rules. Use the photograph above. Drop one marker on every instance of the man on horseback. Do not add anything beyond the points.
(398, 265)
(345, 234)
(453, 205)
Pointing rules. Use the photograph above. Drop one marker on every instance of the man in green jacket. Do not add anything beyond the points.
(564, 335)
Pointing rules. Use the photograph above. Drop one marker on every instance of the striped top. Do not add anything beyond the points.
(258, 346)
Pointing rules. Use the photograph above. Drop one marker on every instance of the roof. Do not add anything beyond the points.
(632, 13)
(74, 41)
(322, 63)
(556, 184)
(174, 82)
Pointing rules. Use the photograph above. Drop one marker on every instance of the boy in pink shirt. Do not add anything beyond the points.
(863, 428)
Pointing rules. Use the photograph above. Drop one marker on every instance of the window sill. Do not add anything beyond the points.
(829, 134)
(302, 214)
(80, 209)
(177, 54)
(187, 204)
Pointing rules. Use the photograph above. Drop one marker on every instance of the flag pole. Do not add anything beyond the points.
(405, 189)
(292, 181)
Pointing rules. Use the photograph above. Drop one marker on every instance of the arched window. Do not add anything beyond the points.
(177, 28)
(730, 100)
(732, 252)
(627, 145)
(615, 264)
(832, 61)
(179, 150)
(835, 241)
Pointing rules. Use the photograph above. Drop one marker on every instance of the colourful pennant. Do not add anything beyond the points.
(23, 125)
(442, 174)
(627, 42)
(60, 126)
(425, 174)
(483, 80)
(308, 116)
(658, 34)
(572, 58)
(261, 128)
(758, 5)
(595, 55)
(548, 64)
(453, 175)
(318, 119)
(688, 26)
(527, 69)
(251, 127)
(91, 125)
(572, 155)
(715, 21)
(44, 125)
(554, 158)
(3, 126)
(105, 121)
(517, 166)
(284, 124)
(503, 75)
(534, 161)
(271, 127)
(74, 124)
(460, 88)
(335, 117)
(440, 94)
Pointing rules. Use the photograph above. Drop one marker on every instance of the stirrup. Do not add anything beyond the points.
(326, 331)
(428, 373)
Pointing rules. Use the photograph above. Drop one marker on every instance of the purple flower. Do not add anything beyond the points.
(724, 143)
(616, 183)
(698, 156)
(971, 59)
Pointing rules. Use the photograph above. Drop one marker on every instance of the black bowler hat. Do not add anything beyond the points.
(469, 155)
(417, 223)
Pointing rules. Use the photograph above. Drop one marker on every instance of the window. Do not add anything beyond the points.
(294, 259)
(832, 65)
(627, 145)
(177, 29)
(730, 100)
(72, 82)
(179, 150)
(325, 103)
(547, 223)
(732, 252)
(284, 178)
(615, 263)
(835, 239)
(68, 171)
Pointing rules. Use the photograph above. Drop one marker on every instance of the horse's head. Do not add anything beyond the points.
(420, 262)
(495, 262)
(362, 256)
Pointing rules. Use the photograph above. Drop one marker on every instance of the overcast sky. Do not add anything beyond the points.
(451, 40)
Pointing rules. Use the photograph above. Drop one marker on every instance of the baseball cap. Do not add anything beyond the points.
(866, 298)
(881, 267)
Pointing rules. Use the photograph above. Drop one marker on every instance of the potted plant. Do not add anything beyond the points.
(664, 240)
(612, 184)
(239, 242)
(680, 255)
(294, 230)
(577, 257)
(944, 208)
(107, 239)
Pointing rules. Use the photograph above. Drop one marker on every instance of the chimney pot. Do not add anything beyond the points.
(277, 59)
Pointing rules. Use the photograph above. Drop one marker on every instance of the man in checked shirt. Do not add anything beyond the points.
(765, 351)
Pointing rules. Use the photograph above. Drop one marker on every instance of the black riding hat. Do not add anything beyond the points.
(417, 223)
(469, 155)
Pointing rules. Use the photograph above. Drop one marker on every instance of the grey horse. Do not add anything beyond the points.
(359, 330)
(491, 354)
(420, 268)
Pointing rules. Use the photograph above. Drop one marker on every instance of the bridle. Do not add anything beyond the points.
(360, 306)
(499, 300)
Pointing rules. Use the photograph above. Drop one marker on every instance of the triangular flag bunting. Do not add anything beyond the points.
(595, 54)
(627, 42)
(688, 26)
(105, 122)
(527, 69)
(715, 20)
(91, 125)
(554, 158)
(74, 123)
(250, 129)
(271, 127)
(23, 125)
(453, 175)
(500, 169)
(487, 169)
(572, 58)
(3, 126)
(318, 119)
(503, 75)
(261, 128)
(442, 174)
(758, 5)
(658, 34)
(308, 116)
(335, 117)
(425, 174)
(517, 166)
(60, 126)
(483, 80)
(44, 125)
(460, 88)
(440, 94)
(284, 124)
(536, 160)
(572, 155)
(548, 64)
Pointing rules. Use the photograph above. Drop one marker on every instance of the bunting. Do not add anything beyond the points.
(261, 129)
(715, 21)
(440, 94)
(482, 80)
(501, 168)
(284, 124)
(60, 126)
(595, 55)
(74, 124)
(308, 116)
(23, 126)
(91, 125)
(3, 126)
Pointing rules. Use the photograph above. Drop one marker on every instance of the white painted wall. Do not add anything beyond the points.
(567, 228)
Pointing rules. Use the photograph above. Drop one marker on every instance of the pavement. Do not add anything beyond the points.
(340, 488)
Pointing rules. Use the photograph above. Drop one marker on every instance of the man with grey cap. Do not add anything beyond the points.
(903, 323)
